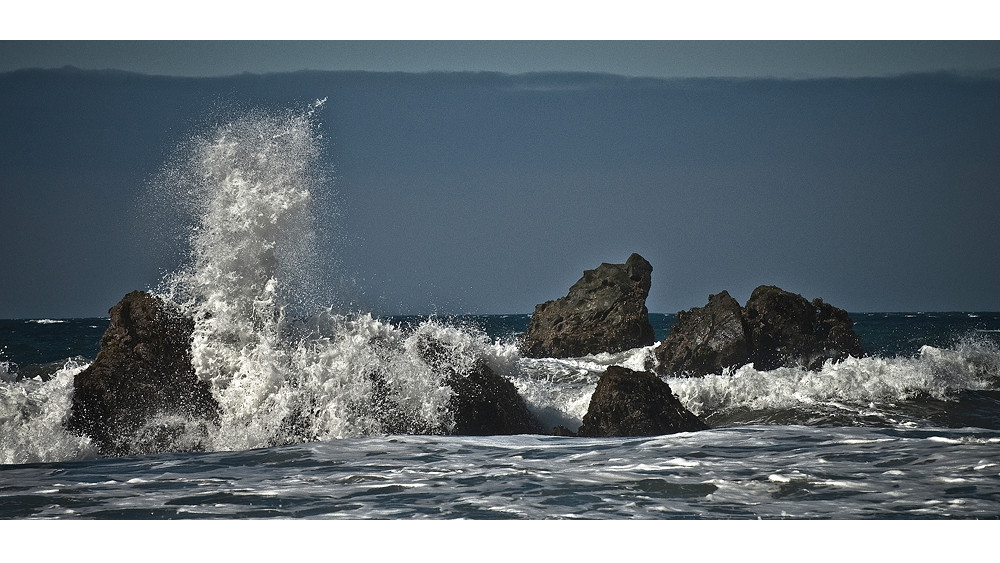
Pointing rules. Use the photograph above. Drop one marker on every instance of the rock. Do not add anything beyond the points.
(631, 403)
(775, 329)
(142, 373)
(483, 402)
(835, 332)
(605, 311)
(705, 339)
(562, 431)
(787, 330)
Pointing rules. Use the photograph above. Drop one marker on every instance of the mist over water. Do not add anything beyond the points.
(243, 195)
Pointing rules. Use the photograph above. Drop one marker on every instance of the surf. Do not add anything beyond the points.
(278, 375)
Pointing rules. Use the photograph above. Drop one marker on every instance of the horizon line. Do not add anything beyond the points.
(991, 74)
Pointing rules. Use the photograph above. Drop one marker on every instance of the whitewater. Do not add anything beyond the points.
(327, 413)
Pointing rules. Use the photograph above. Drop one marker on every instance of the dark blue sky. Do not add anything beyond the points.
(473, 192)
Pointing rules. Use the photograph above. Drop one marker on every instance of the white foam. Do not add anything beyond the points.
(8, 372)
(943, 440)
(277, 379)
(855, 384)
(32, 420)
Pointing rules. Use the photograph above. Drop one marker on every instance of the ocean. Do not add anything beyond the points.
(913, 431)
(910, 431)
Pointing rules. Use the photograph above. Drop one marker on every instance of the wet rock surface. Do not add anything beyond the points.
(605, 311)
(706, 339)
(788, 330)
(483, 403)
(775, 329)
(142, 374)
(635, 403)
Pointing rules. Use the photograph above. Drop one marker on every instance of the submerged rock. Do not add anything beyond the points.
(141, 389)
(635, 403)
(605, 311)
(483, 402)
(776, 328)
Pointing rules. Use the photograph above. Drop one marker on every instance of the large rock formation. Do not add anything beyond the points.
(483, 403)
(142, 374)
(631, 403)
(706, 339)
(603, 312)
(788, 330)
(775, 328)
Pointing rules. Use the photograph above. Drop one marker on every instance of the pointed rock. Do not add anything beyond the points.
(142, 372)
(605, 311)
(705, 339)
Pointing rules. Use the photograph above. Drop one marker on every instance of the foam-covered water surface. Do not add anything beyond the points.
(749, 472)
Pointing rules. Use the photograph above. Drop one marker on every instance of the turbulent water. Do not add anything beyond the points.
(328, 414)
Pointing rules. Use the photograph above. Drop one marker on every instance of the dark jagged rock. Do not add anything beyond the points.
(635, 403)
(835, 332)
(142, 372)
(705, 339)
(605, 311)
(775, 328)
(483, 402)
(787, 330)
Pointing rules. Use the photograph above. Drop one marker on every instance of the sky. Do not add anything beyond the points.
(827, 168)
(663, 59)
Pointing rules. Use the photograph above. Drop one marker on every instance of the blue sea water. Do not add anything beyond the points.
(930, 448)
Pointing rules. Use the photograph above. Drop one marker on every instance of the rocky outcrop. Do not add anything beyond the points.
(631, 403)
(142, 374)
(775, 328)
(483, 403)
(706, 339)
(605, 311)
(788, 330)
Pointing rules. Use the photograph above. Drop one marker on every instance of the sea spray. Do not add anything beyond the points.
(281, 377)
(33, 414)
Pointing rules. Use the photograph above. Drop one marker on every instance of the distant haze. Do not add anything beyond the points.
(658, 59)
(490, 193)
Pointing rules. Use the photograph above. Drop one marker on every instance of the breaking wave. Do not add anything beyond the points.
(857, 391)
(281, 378)
(33, 414)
